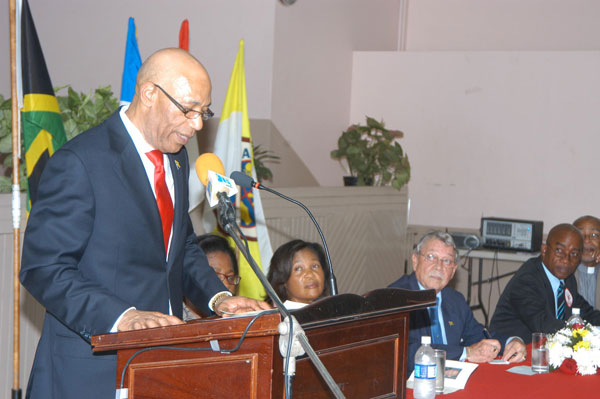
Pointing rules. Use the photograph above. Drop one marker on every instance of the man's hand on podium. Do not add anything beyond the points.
(239, 304)
(139, 319)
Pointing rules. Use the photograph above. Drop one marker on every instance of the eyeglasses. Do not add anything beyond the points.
(434, 259)
(591, 236)
(232, 279)
(561, 253)
(188, 112)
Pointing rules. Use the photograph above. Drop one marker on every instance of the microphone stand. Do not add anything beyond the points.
(332, 280)
(244, 180)
(227, 222)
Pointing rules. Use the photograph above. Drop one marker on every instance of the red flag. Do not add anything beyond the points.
(184, 35)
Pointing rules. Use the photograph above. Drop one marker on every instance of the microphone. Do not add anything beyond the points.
(210, 163)
(219, 188)
(243, 180)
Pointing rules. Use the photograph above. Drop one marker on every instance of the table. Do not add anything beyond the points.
(492, 381)
(488, 254)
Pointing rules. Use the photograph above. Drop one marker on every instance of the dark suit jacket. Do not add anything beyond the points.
(462, 329)
(93, 248)
(527, 304)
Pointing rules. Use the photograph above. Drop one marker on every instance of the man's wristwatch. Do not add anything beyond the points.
(218, 298)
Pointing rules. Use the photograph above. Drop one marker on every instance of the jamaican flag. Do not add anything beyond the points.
(43, 130)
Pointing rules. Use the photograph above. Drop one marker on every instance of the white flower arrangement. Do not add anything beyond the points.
(580, 343)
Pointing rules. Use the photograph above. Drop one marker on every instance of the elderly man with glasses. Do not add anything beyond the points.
(588, 271)
(450, 323)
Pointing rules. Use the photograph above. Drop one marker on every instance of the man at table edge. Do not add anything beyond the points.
(530, 301)
(435, 260)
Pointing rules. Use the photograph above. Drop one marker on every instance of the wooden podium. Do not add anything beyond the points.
(361, 340)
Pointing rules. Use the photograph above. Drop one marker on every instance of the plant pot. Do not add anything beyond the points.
(350, 180)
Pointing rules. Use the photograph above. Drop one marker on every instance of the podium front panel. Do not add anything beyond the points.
(184, 374)
(188, 378)
(178, 362)
(366, 358)
(363, 343)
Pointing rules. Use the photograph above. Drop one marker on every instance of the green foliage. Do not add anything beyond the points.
(6, 148)
(261, 157)
(373, 154)
(5, 125)
(79, 111)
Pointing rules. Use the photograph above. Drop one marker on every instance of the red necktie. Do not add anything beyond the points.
(163, 198)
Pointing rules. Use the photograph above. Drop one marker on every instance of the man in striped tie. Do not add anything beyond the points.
(540, 296)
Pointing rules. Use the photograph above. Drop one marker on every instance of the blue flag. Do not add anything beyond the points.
(133, 61)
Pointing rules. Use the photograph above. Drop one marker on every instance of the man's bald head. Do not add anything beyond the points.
(561, 229)
(170, 83)
(168, 64)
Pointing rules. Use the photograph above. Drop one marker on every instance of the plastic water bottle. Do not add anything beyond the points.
(425, 371)
(575, 321)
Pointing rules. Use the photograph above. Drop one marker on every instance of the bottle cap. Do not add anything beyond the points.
(426, 339)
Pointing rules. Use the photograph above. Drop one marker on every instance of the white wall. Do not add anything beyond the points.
(509, 134)
(471, 25)
(84, 42)
(498, 100)
(313, 48)
(298, 58)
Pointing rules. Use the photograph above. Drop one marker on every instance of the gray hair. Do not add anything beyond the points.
(445, 238)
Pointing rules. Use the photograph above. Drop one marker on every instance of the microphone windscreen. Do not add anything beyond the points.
(208, 161)
(241, 179)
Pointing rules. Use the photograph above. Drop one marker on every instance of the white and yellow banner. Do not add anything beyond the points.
(233, 144)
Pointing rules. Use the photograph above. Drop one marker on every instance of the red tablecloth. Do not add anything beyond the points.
(492, 381)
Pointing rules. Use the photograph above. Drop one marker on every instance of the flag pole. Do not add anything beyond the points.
(16, 198)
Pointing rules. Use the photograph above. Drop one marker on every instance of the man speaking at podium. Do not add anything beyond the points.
(109, 245)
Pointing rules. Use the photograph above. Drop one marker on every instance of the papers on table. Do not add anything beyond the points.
(524, 370)
(456, 375)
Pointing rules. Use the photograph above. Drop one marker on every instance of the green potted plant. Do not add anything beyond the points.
(261, 157)
(373, 155)
(79, 111)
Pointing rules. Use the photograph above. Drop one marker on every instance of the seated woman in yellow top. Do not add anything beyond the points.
(298, 273)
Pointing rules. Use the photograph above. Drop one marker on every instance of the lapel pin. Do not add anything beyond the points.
(177, 164)
(451, 322)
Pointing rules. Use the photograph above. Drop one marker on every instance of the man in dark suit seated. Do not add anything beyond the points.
(109, 244)
(450, 324)
(539, 297)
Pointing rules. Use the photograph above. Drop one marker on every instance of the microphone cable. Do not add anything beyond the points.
(177, 348)
(244, 180)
